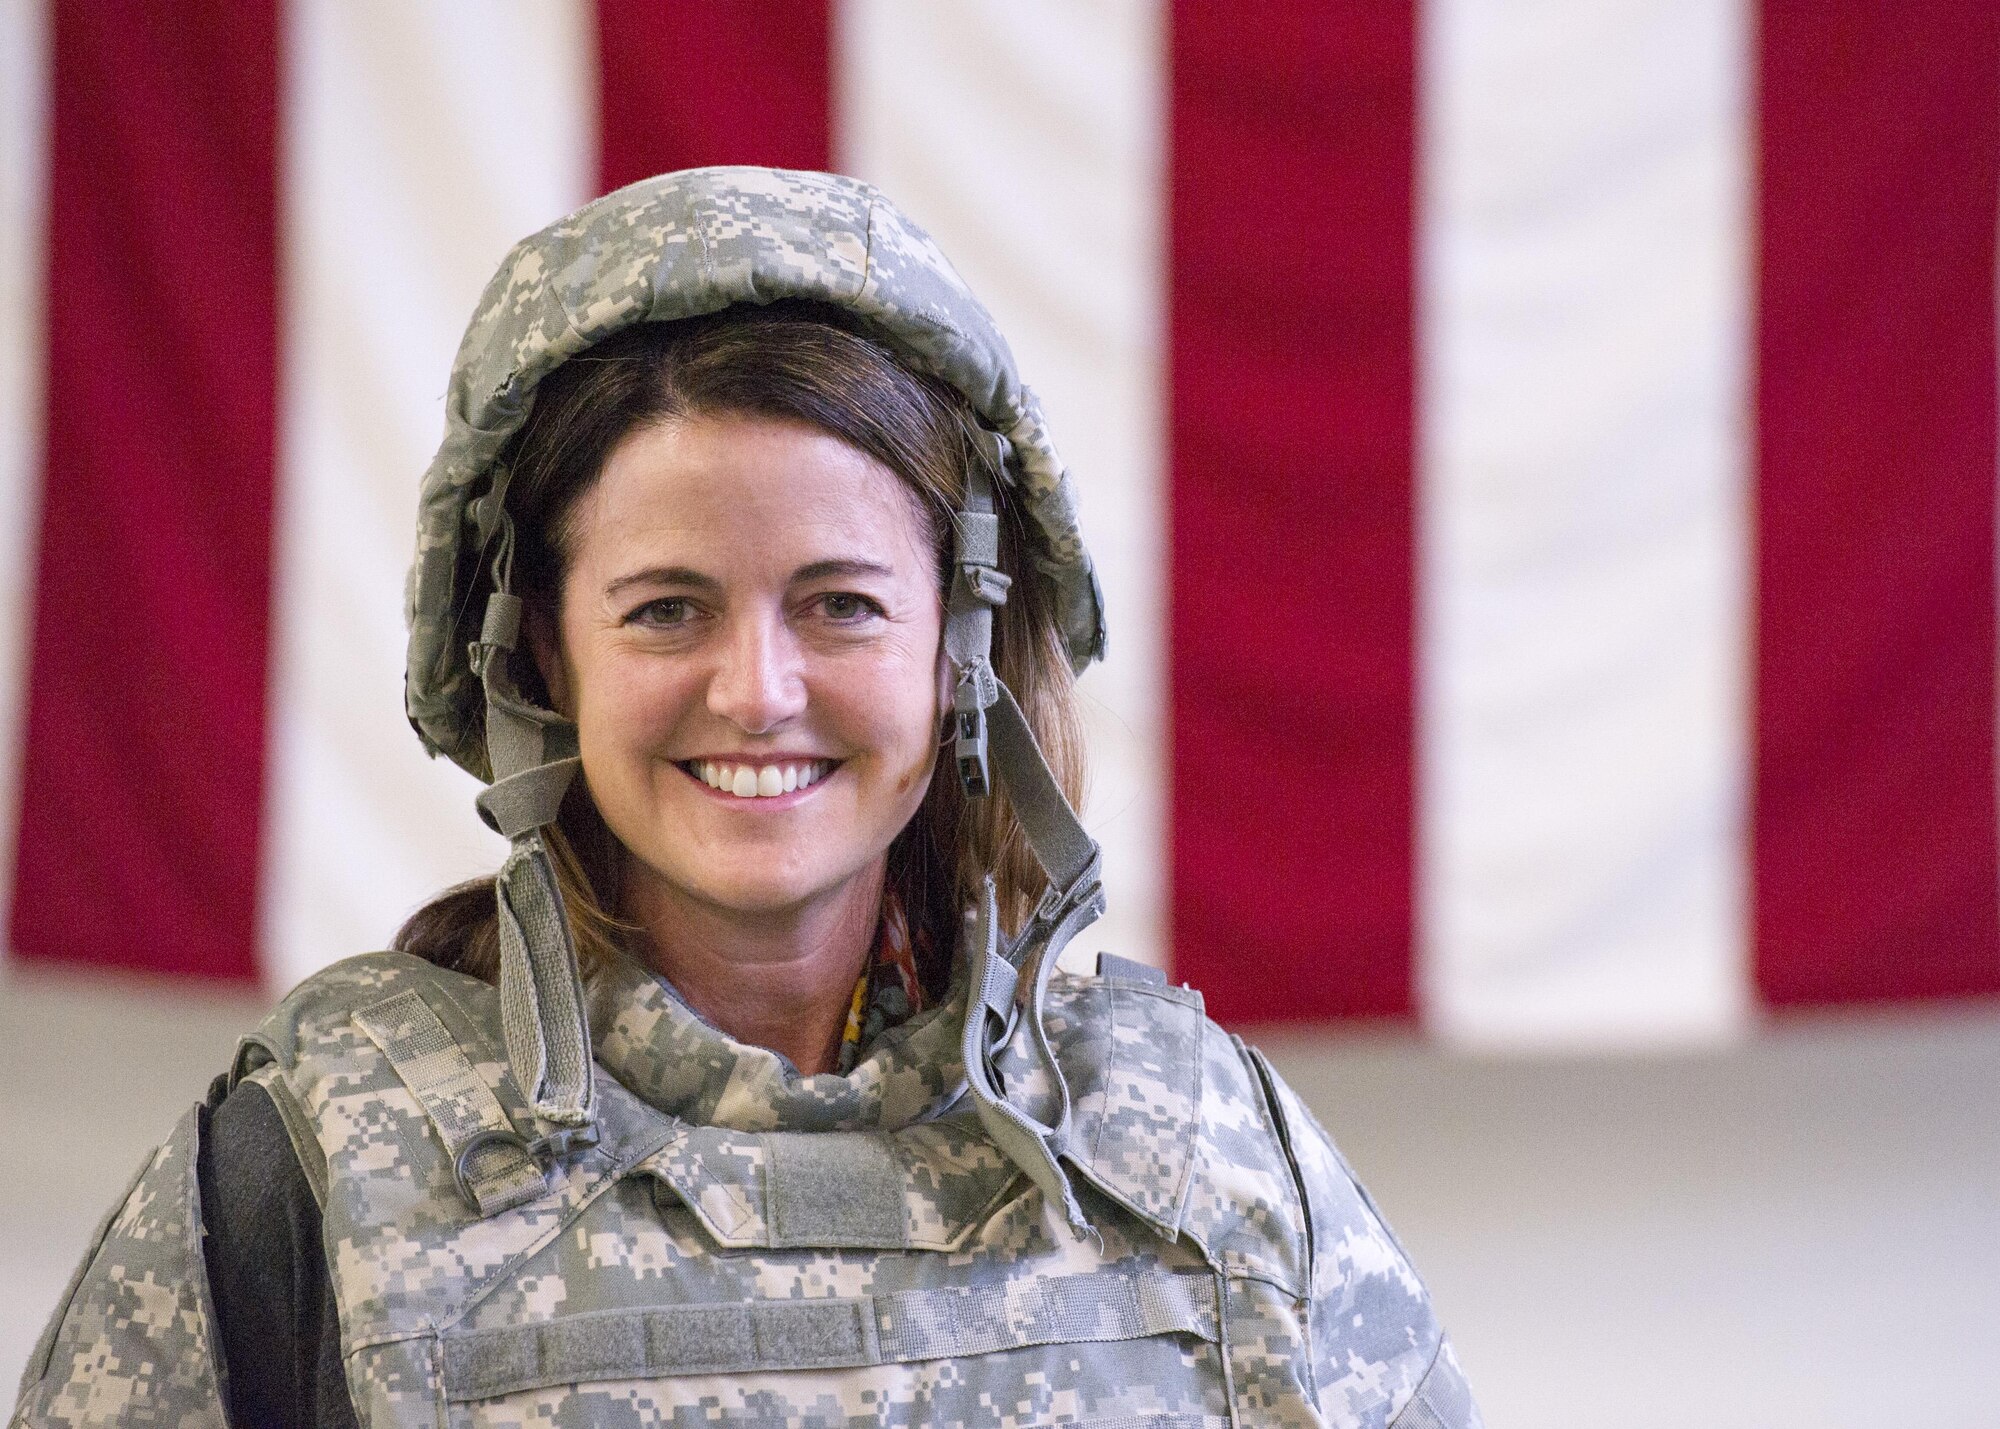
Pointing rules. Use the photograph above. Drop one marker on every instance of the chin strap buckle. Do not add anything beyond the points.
(978, 688)
(986, 584)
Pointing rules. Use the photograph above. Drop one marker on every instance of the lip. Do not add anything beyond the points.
(771, 804)
(760, 759)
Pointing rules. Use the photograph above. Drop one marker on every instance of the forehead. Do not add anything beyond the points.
(730, 487)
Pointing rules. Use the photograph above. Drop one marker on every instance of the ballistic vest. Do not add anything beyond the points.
(747, 1247)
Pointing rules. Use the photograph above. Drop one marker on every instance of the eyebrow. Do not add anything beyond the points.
(819, 570)
(665, 575)
(695, 580)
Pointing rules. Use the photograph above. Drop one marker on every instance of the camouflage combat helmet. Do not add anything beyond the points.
(679, 246)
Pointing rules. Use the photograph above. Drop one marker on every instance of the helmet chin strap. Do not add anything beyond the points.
(533, 753)
(993, 737)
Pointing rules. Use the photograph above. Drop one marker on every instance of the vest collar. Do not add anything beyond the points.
(1133, 1056)
(677, 1063)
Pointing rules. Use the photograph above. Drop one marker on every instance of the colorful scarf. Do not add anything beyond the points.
(889, 992)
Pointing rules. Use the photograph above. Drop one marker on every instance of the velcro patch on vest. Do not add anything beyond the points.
(923, 1187)
(825, 1189)
(899, 1327)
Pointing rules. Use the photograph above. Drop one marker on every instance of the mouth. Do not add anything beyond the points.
(752, 782)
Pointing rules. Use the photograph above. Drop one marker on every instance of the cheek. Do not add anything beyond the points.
(894, 712)
(624, 703)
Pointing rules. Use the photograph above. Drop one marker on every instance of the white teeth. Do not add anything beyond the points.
(747, 781)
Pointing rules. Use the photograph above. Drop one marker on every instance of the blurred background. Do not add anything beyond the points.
(1541, 455)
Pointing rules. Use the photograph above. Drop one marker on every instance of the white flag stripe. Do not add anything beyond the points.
(24, 158)
(421, 142)
(1585, 596)
(1028, 137)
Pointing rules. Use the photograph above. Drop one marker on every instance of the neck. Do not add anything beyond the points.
(781, 980)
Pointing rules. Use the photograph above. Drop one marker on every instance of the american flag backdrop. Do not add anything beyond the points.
(1541, 453)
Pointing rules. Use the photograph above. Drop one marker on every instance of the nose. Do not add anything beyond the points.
(758, 684)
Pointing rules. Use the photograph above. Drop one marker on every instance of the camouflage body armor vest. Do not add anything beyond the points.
(746, 1247)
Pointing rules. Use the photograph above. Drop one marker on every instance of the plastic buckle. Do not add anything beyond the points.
(988, 584)
(563, 1140)
(970, 751)
(977, 688)
(1055, 903)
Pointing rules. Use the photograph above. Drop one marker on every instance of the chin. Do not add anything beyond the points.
(755, 895)
(758, 890)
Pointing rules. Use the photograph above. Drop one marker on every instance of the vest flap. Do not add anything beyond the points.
(924, 1187)
(1132, 1054)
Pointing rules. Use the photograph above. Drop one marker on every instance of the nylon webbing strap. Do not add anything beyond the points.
(500, 1173)
(986, 712)
(978, 588)
(1031, 1145)
(534, 757)
(528, 799)
(1054, 833)
(978, 583)
(541, 994)
(519, 737)
(1058, 1310)
(772, 1335)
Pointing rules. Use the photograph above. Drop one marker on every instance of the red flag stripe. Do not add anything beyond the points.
(144, 740)
(723, 82)
(1874, 844)
(1290, 303)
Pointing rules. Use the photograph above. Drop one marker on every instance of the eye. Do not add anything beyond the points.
(846, 607)
(665, 613)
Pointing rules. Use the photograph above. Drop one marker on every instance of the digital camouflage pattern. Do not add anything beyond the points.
(750, 1247)
(682, 245)
(133, 1341)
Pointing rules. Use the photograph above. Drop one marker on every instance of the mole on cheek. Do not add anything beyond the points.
(915, 774)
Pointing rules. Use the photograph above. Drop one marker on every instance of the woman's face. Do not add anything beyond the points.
(749, 643)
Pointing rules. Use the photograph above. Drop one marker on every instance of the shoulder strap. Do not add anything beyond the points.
(436, 1030)
(495, 1165)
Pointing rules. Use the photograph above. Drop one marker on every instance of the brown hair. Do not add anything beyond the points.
(801, 362)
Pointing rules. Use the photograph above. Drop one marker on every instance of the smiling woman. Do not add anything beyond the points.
(743, 524)
(747, 1092)
(751, 597)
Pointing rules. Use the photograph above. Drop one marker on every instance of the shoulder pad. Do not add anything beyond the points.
(1131, 1054)
(324, 1005)
(133, 1341)
(1245, 1208)
(1170, 1120)
(1377, 1347)
(406, 1243)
